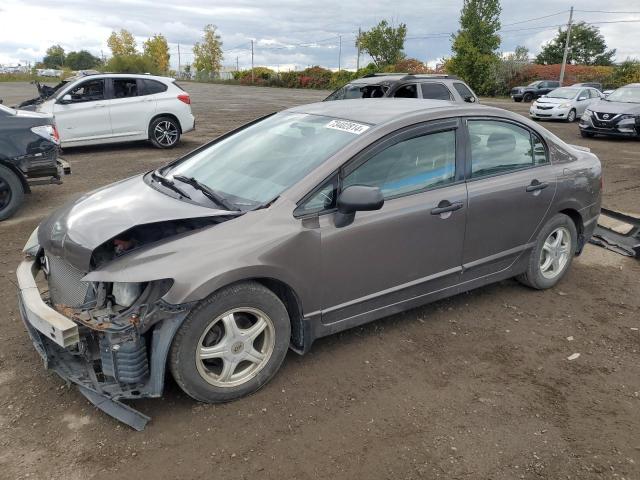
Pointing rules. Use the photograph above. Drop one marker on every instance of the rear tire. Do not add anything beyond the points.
(216, 358)
(164, 132)
(527, 98)
(11, 192)
(552, 255)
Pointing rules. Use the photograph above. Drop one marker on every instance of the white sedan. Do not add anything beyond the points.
(110, 108)
(564, 103)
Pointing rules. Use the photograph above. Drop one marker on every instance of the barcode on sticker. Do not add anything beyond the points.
(345, 126)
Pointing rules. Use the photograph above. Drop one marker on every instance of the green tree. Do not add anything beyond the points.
(627, 72)
(135, 63)
(122, 43)
(519, 55)
(157, 49)
(475, 45)
(383, 43)
(81, 60)
(54, 57)
(208, 53)
(587, 47)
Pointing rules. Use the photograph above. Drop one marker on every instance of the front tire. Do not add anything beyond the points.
(164, 132)
(571, 116)
(586, 134)
(527, 97)
(517, 100)
(231, 344)
(552, 255)
(11, 192)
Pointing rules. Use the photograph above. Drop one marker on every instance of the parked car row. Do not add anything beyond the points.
(293, 227)
(88, 109)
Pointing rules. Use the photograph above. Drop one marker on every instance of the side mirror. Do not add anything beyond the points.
(542, 96)
(470, 99)
(582, 98)
(65, 99)
(354, 199)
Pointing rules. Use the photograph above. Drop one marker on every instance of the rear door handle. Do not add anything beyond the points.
(535, 185)
(445, 206)
(99, 105)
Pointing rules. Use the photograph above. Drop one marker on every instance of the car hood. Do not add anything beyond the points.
(554, 101)
(602, 106)
(74, 231)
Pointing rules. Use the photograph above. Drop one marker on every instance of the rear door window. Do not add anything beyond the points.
(499, 147)
(407, 91)
(125, 87)
(435, 91)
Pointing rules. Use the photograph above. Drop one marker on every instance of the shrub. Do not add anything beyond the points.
(131, 64)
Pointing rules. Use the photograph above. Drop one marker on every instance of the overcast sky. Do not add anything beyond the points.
(289, 33)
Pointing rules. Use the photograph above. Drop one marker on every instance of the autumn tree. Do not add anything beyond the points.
(208, 53)
(587, 47)
(157, 49)
(54, 57)
(384, 43)
(122, 43)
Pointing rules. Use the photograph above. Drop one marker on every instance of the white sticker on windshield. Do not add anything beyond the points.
(346, 126)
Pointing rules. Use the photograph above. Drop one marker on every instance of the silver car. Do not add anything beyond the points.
(298, 225)
(564, 103)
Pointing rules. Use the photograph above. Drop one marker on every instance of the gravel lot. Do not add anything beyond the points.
(476, 386)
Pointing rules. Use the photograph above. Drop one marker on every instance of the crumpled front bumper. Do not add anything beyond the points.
(64, 347)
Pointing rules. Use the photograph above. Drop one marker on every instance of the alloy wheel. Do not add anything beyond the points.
(571, 117)
(166, 133)
(235, 347)
(555, 253)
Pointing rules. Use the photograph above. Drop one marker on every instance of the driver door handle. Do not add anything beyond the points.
(535, 185)
(99, 105)
(445, 206)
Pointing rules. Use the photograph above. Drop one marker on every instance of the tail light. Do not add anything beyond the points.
(184, 97)
(49, 132)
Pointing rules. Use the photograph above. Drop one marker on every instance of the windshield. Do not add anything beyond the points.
(625, 95)
(256, 164)
(563, 93)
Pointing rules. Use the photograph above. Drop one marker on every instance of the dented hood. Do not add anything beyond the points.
(79, 227)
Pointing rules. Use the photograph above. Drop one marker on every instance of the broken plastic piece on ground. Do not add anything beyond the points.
(618, 232)
(573, 356)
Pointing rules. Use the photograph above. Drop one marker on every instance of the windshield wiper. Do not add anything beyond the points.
(207, 192)
(164, 181)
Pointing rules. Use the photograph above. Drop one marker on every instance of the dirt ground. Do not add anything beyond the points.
(474, 387)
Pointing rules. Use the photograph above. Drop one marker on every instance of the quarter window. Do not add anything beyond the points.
(498, 147)
(151, 87)
(89, 91)
(435, 91)
(323, 199)
(409, 166)
(125, 88)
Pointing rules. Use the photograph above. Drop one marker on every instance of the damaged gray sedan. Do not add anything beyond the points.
(293, 227)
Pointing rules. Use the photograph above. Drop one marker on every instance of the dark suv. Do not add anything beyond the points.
(28, 156)
(402, 85)
(533, 90)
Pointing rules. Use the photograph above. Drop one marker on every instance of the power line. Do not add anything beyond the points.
(534, 19)
(604, 11)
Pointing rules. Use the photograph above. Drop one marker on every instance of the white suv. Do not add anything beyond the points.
(109, 108)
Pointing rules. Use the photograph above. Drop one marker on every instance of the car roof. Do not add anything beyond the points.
(376, 111)
(122, 75)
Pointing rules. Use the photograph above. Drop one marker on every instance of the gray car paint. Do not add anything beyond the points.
(369, 269)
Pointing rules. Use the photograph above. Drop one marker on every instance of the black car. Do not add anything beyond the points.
(403, 85)
(533, 90)
(618, 114)
(28, 156)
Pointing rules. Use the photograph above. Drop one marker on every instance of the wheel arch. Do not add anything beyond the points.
(575, 216)
(157, 116)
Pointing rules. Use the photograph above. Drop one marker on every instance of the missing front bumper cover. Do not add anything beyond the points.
(618, 232)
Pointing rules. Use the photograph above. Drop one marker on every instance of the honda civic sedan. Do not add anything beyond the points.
(298, 225)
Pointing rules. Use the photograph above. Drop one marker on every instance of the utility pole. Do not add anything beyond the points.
(237, 64)
(358, 42)
(339, 52)
(252, 62)
(179, 64)
(566, 46)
